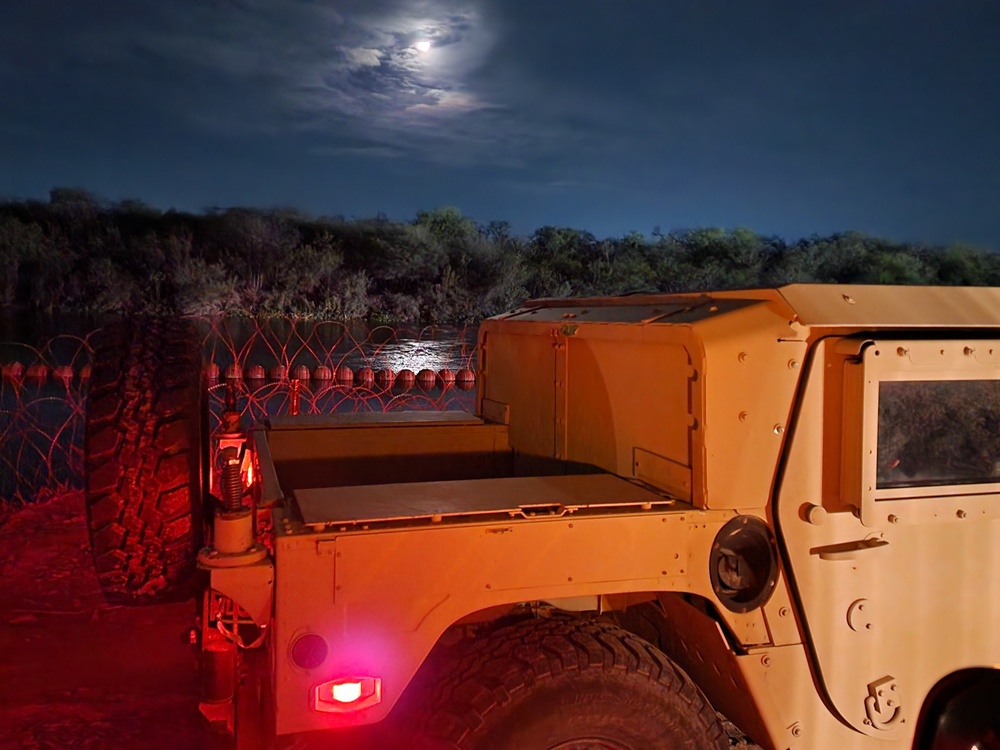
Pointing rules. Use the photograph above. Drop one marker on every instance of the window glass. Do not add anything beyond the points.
(934, 432)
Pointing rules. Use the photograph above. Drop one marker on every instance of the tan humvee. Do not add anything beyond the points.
(792, 493)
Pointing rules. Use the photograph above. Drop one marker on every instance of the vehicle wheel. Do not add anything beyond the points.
(566, 684)
(143, 458)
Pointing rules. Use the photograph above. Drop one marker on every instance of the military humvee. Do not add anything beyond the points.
(777, 504)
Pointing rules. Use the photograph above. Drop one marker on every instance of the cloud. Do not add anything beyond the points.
(300, 69)
(333, 75)
(363, 57)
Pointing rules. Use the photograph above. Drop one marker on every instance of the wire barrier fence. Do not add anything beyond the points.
(274, 367)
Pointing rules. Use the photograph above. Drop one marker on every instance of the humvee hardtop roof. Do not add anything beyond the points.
(814, 305)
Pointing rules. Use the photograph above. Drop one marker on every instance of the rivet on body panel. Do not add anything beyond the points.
(793, 364)
(961, 514)
(902, 351)
(744, 416)
(969, 351)
(743, 356)
(779, 429)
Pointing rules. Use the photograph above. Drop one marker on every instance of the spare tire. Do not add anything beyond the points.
(143, 457)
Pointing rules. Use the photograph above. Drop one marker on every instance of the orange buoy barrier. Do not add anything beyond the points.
(365, 376)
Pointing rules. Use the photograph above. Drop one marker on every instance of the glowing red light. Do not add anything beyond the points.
(347, 694)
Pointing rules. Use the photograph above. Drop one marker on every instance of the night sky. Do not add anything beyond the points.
(790, 118)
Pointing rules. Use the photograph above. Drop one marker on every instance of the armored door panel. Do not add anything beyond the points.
(889, 513)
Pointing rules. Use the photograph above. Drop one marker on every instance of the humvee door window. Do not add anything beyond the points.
(933, 432)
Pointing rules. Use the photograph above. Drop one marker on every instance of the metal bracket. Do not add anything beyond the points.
(882, 704)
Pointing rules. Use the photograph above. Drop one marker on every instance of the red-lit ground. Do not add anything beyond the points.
(78, 673)
(75, 672)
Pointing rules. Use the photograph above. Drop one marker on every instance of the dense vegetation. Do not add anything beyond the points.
(75, 253)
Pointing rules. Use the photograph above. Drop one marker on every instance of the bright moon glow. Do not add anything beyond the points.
(423, 46)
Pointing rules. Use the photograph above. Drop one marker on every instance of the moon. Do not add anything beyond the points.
(423, 46)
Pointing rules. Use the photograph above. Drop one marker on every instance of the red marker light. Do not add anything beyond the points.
(347, 694)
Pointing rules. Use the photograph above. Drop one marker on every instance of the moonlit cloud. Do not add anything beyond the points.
(362, 57)
(349, 74)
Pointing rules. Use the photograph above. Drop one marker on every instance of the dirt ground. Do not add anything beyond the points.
(76, 672)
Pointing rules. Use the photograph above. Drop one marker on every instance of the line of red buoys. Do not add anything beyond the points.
(38, 372)
(464, 379)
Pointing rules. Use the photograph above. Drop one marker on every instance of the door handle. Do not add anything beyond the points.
(848, 550)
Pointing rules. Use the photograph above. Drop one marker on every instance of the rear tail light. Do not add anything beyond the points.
(347, 694)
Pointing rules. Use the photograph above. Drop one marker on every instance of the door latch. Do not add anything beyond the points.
(882, 704)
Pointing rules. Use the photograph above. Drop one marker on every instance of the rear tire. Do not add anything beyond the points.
(143, 457)
(566, 684)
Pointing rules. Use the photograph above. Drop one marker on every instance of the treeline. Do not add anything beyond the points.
(75, 253)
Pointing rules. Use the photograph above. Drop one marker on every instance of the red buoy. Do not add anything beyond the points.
(405, 377)
(345, 375)
(12, 371)
(364, 376)
(278, 372)
(300, 372)
(63, 373)
(385, 377)
(426, 379)
(87, 369)
(322, 372)
(212, 371)
(255, 372)
(465, 380)
(37, 371)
